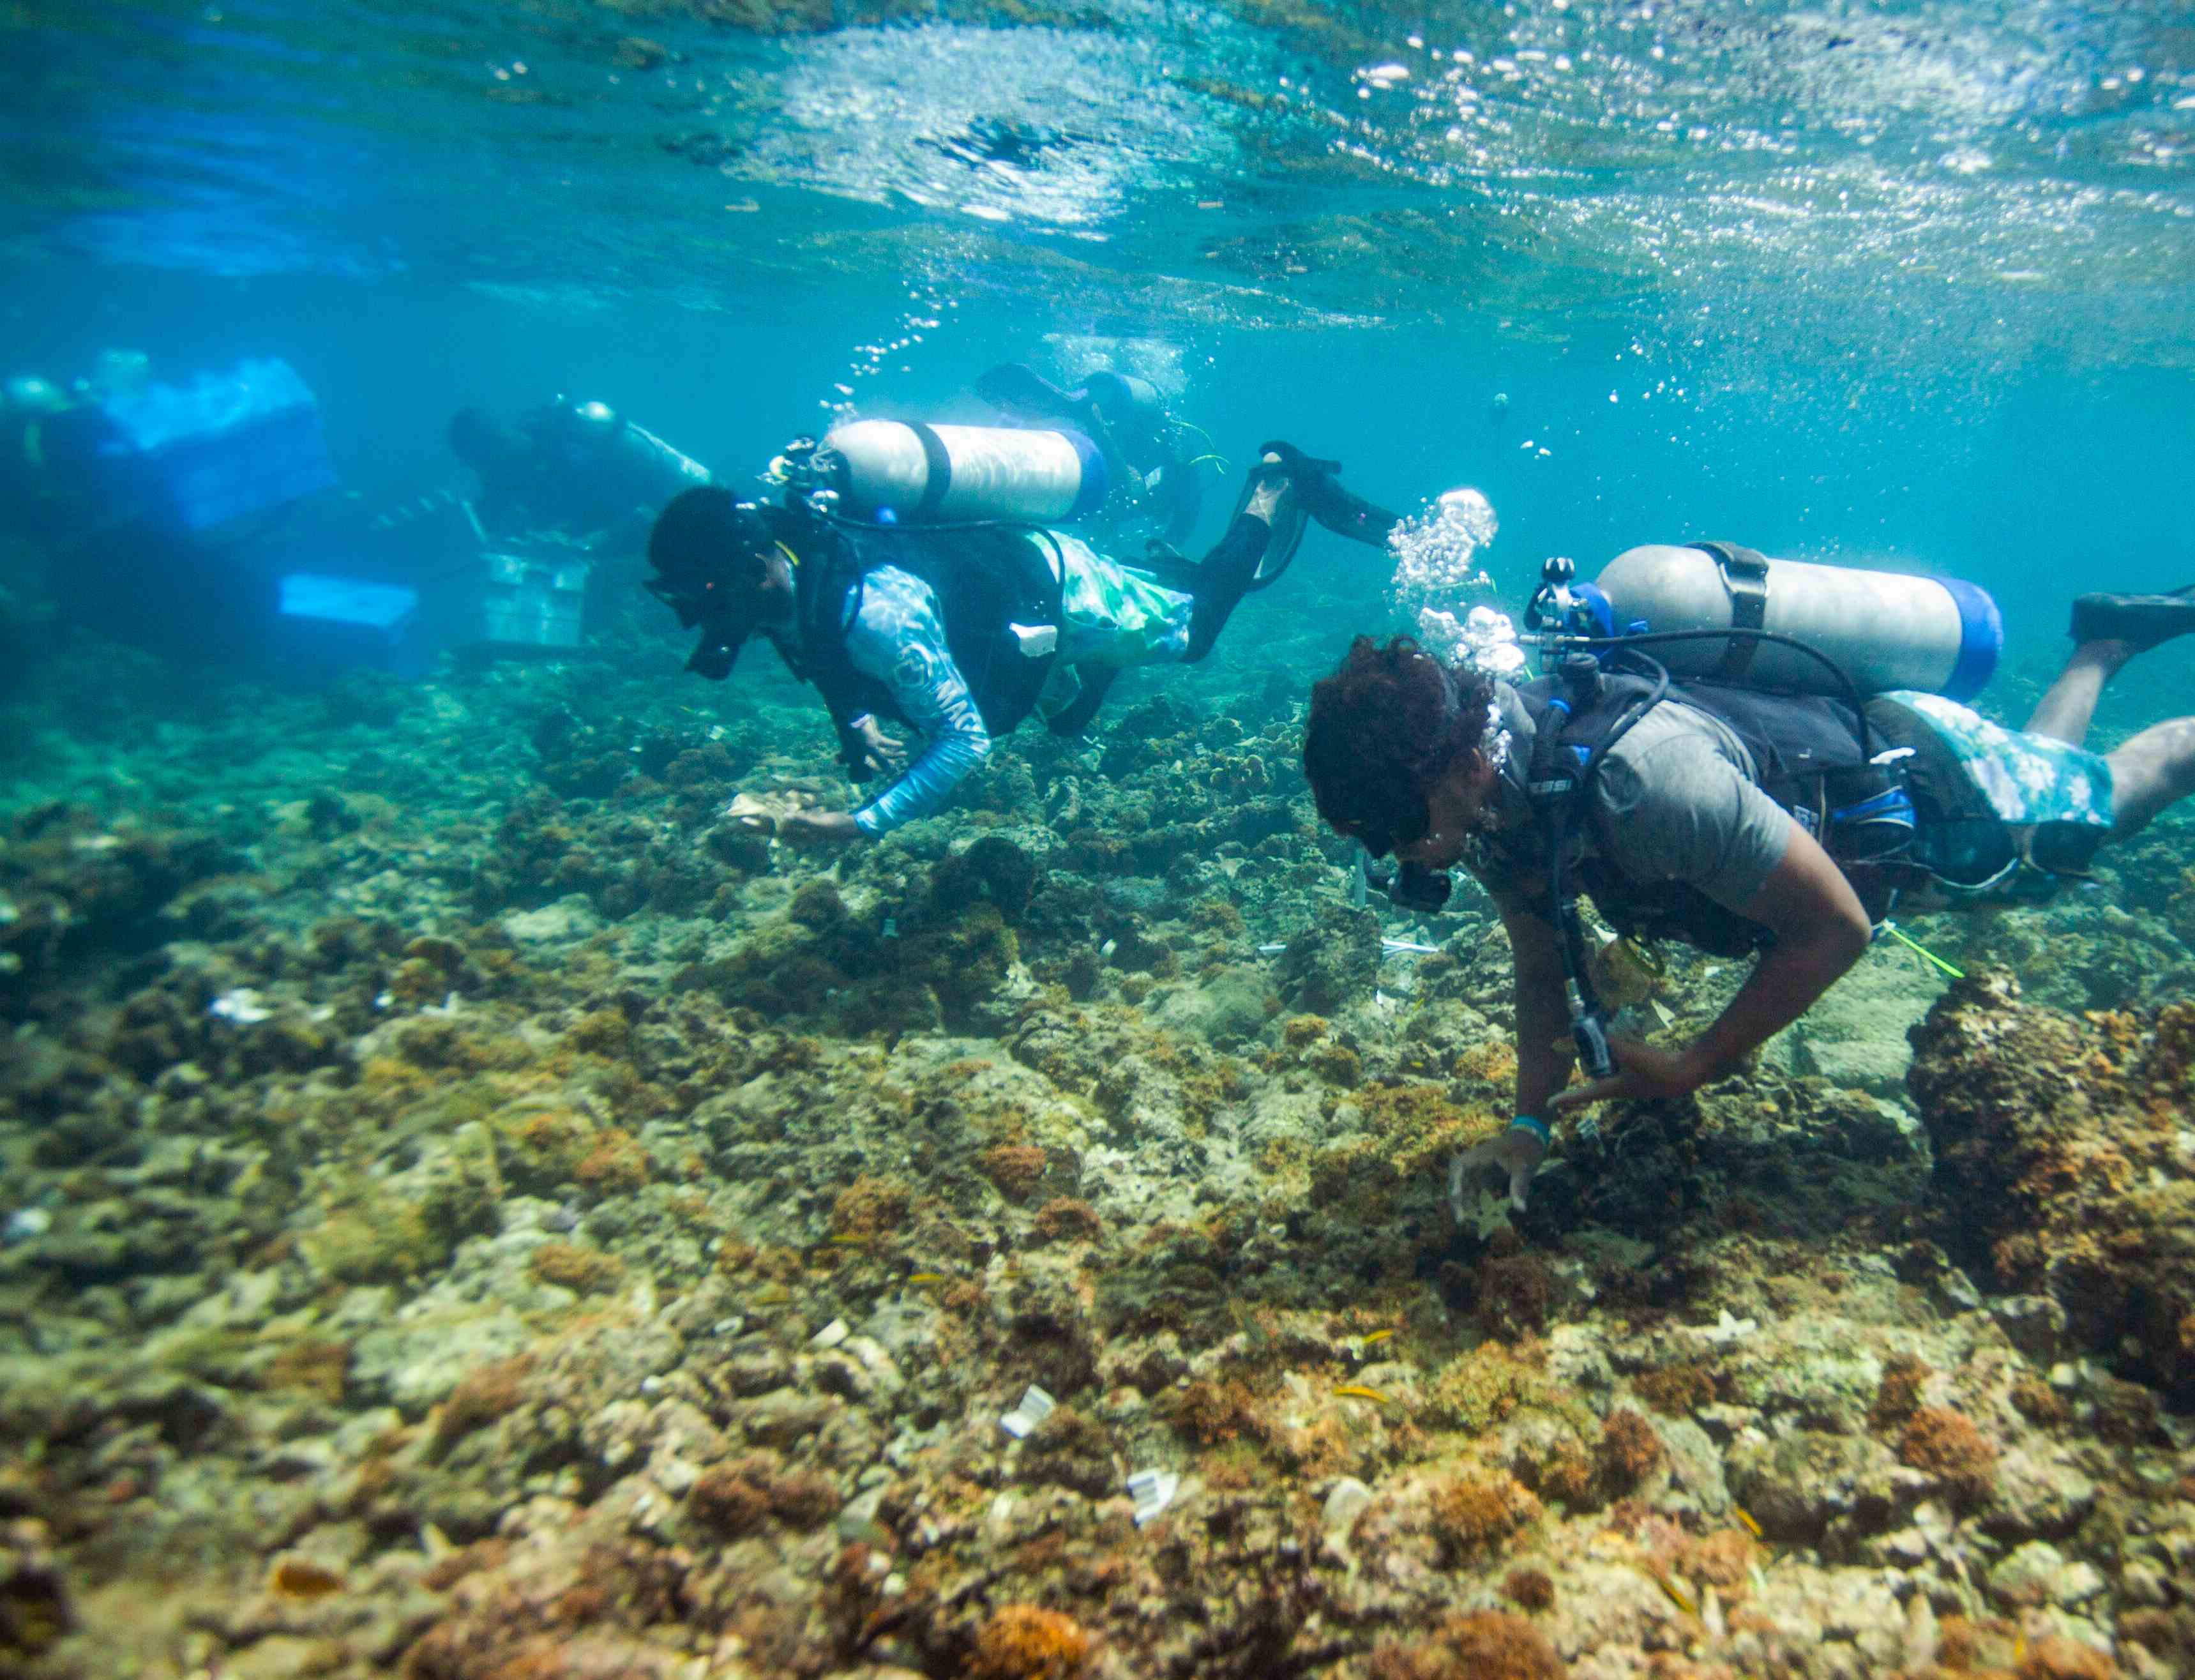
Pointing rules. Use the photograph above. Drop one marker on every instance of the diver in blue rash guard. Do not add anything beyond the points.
(959, 635)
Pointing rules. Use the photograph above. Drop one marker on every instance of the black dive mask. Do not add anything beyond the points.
(709, 552)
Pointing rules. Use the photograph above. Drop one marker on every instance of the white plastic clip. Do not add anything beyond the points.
(1153, 1491)
(1035, 1406)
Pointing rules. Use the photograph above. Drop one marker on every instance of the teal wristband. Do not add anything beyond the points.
(1537, 1128)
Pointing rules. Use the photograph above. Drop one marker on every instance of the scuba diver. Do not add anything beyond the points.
(28, 405)
(574, 470)
(157, 507)
(55, 450)
(1144, 446)
(915, 574)
(1771, 801)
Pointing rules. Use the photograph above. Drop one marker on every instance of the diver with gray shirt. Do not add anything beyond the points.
(1738, 820)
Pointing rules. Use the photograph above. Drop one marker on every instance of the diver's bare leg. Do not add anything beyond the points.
(2154, 769)
(2066, 710)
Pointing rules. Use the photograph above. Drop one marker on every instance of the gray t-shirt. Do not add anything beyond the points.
(1675, 800)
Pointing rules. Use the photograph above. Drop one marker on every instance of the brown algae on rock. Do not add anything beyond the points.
(606, 1244)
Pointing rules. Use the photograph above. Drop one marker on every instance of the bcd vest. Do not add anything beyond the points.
(986, 581)
(1812, 756)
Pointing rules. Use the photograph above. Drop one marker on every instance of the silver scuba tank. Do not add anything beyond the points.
(1885, 630)
(916, 474)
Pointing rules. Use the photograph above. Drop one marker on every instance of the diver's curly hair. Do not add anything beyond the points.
(1386, 726)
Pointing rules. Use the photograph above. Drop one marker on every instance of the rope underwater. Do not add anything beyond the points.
(1903, 938)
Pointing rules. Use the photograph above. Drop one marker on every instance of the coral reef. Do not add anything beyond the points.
(2062, 1167)
(471, 1209)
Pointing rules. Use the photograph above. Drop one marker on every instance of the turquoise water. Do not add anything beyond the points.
(472, 1208)
(1917, 280)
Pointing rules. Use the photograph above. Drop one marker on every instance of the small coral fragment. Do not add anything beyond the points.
(1629, 1449)
(1022, 1642)
(1946, 1445)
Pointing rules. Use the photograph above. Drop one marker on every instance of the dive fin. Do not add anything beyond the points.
(2142, 621)
(1016, 389)
(1073, 719)
(1342, 511)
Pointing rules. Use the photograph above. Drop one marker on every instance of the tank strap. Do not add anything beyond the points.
(1745, 575)
(937, 461)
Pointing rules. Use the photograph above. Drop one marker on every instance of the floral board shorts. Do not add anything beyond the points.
(1116, 616)
(2006, 816)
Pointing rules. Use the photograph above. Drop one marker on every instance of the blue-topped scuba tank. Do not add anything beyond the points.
(1882, 630)
(914, 473)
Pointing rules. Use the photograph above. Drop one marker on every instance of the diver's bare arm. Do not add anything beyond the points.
(1543, 1055)
(1820, 930)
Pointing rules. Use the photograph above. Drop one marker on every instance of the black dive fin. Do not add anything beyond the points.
(1342, 511)
(1014, 388)
(1073, 719)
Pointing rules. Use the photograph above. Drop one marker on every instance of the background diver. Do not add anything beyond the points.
(574, 471)
(959, 633)
(1151, 465)
(1679, 837)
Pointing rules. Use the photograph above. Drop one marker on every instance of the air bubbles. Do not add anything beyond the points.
(1435, 552)
(1484, 641)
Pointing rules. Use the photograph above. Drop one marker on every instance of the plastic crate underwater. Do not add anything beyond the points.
(223, 447)
(330, 623)
(511, 604)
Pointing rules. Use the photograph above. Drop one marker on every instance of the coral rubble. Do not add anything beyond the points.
(473, 1210)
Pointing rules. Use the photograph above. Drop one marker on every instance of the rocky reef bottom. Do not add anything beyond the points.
(472, 1211)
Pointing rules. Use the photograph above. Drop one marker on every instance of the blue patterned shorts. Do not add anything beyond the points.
(2038, 810)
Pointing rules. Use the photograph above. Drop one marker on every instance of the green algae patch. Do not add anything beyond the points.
(385, 1241)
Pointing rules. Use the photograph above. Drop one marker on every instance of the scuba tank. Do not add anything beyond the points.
(1883, 630)
(896, 472)
(1131, 406)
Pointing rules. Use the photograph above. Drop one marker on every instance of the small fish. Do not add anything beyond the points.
(1675, 1593)
(845, 1242)
(1358, 1391)
(1376, 1338)
(302, 1579)
(925, 1277)
(1745, 1516)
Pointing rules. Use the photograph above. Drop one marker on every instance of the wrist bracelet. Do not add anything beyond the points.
(1536, 1127)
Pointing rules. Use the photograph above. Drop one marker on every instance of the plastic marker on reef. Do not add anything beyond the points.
(1035, 1406)
(240, 1005)
(1725, 1328)
(25, 1225)
(1153, 1491)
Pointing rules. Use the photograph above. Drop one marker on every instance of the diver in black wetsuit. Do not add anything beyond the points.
(1144, 447)
(576, 472)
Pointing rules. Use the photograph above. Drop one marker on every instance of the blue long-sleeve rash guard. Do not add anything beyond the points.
(898, 640)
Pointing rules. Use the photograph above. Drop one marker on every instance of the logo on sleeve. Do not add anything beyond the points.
(916, 669)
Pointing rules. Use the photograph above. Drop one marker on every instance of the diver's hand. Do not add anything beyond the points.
(817, 828)
(881, 755)
(1517, 1152)
(1642, 1072)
